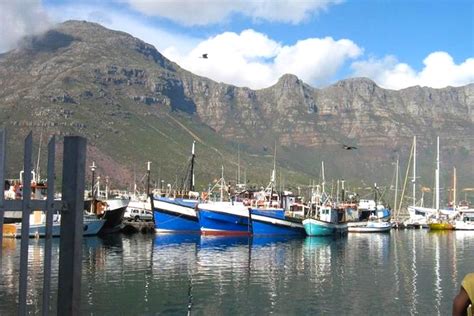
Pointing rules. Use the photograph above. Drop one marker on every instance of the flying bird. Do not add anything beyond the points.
(346, 147)
(204, 56)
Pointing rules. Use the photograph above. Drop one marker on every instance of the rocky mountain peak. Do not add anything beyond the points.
(111, 87)
(288, 81)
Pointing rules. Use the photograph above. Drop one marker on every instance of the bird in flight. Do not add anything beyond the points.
(346, 147)
(204, 56)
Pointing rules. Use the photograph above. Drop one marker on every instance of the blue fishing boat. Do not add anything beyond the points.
(178, 214)
(175, 215)
(273, 221)
(325, 223)
(224, 218)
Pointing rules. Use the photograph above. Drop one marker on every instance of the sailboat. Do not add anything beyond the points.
(465, 219)
(435, 218)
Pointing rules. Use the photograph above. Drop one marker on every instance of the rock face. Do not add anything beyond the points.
(115, 89)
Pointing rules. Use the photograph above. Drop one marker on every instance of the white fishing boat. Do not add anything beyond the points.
(465, 221)
(371, 226)
(91, 226)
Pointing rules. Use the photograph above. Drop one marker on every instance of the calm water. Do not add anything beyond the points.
(401, 273)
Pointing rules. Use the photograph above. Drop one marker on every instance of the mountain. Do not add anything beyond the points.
(135, 105)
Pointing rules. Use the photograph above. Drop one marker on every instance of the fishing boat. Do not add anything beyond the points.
(91, 226)
(110, 210)
(373, 225)
(178, 213)
(224, 218)
(465, 220)
(266, 215)
(175, 214)
(274, 221)
(326, 222)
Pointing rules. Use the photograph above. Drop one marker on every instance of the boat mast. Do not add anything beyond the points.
(191, 176)
(454, 188)
(396, 186)
(148, 177)
(323, 184)
(414, 171)
(222, 183)
(437, 174)
(272, 183)
(238, 164)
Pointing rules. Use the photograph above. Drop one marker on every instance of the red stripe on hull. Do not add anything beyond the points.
(224, 233)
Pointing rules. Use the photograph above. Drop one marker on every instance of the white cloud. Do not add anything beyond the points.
(252, 59)
(160, 38)
(20, 18)
(439, 71)
(203, 12)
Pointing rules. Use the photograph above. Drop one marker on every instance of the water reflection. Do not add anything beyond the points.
(404, 272)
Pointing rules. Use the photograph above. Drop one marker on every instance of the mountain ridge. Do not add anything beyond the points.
(85, 79)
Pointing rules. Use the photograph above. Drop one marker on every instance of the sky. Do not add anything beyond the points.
(396, 43)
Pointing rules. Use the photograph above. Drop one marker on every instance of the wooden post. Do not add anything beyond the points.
(49, 226)
(72, 220)
(25, 226)
(2, 181)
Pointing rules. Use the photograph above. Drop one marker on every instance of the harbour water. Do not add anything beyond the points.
(405, 272)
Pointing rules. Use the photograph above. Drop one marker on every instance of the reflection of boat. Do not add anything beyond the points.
(263, 240)
(175, 214)
(91, 226)
(176, 239)
(272, 221)
(370, 227)
(223, 242)
(325, 223)
(224, 218)
(316, 242)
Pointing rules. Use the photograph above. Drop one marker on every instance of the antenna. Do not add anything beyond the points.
(38, 178)
(414, 171)
(238, 163)
(437, 173)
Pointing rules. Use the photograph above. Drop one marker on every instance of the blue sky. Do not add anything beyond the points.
(252, 43)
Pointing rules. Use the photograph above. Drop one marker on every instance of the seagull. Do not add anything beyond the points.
(346, 147)
(204, 56)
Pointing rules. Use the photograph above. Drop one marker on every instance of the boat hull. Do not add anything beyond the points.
(314, 227)
(368, 227)
(274, 222)
(441, 226)
(173, 215)
(224, 219)
(91, 227)
(461, 225)
(112, 214)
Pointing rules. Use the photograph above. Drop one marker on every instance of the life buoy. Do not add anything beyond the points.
(204, 195)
